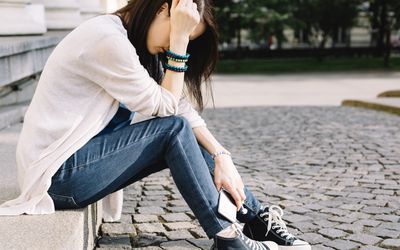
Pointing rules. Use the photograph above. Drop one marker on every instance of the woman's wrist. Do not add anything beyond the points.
(219, 154)
(179, 44)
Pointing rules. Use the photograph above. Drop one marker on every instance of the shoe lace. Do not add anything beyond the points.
(254, 245)
(275, 221)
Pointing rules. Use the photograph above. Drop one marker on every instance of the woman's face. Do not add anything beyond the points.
(158, 35)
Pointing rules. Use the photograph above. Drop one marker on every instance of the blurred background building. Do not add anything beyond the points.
(363, 32)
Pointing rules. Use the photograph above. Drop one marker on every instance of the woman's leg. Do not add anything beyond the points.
(108, 161)
(251, 203)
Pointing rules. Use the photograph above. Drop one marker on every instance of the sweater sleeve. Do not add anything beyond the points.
(186, 110)
(114, 64)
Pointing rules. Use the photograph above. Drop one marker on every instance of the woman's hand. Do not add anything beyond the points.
(227, 176)
(184, 18)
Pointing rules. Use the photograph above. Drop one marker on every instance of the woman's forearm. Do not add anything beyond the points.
(207, 140)
(173, 81)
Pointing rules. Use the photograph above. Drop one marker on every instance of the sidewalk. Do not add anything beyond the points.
(334, 170)
(299, 89)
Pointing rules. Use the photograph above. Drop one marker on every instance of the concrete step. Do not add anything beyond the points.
(386, 104)
(65, 229)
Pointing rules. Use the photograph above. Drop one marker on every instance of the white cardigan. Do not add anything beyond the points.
(88, 74)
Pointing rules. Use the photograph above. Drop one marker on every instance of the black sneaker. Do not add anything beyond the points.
(241, 242)
(269, 226)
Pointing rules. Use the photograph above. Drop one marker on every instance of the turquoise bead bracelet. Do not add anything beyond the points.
(175, 68)
(176, 56)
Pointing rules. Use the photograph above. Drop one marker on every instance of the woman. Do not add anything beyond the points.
(105, 115)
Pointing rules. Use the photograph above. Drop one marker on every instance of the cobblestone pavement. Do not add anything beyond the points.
(334, 170)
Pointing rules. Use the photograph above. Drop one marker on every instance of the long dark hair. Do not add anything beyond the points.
(203, 49)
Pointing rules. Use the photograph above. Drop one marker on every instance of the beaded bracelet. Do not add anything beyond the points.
(220, 153)
(175, 68)
(176, 56)
(176, 59)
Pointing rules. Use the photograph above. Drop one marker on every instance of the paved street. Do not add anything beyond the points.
(321, 89)
(334, 170)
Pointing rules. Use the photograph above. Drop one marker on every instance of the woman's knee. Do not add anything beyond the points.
(177, 123)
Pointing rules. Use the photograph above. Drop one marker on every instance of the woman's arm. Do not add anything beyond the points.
(225, 172)
(207, 140)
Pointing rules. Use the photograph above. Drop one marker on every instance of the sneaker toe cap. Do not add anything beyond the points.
(302, 244)
(271, 245)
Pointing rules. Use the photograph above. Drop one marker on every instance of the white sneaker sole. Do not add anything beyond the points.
(298, 247)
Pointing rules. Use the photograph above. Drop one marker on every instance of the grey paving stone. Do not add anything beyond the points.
(391, 225)
(366, 222)
(321, 247)
(155, 227)
(364, 239)
(332, 233)
(178, 209)
(177, 245)
(150, 203)
(295, 218)
(313, 238)
(385, 217)
(117, 228)
(306, 227)
(385, 233)
(121, 241)
(350, 228)
(142, 218)
(371, 248)
(204, 244)
(179, 235)
(198, 232)
(175, 217)
(352, 207)
(146, 239)
(150, 210)
(391, 243)
(179, 225)
(342, 219)
(342, 244)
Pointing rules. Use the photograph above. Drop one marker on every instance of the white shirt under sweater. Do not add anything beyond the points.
(91, 71)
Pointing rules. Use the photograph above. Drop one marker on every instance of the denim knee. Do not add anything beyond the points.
(178, 122)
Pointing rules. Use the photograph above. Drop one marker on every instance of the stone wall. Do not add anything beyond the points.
(29, 31)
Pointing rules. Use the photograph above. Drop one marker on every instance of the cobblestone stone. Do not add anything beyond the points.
(121, 241)
(179, 225)
(332, 233)
(333, 169)
(342, 244)
(204, 244)
(178, 235)
(117, 228)
(178, 245)
(364, 239)
(150, 210)
(146, 239)
(391, 243)
(175, 217)
(142, 218)
(150, 227)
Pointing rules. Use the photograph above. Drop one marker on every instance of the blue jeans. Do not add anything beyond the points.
(116, 158)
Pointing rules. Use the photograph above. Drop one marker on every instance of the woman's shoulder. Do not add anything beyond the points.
(103, 25)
